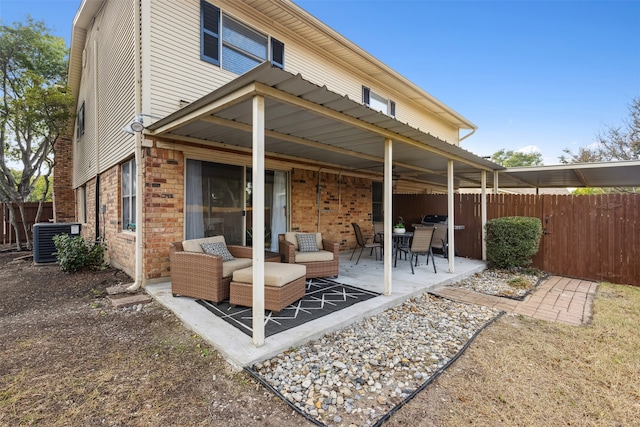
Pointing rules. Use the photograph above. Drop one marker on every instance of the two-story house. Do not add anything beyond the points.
(182, 103)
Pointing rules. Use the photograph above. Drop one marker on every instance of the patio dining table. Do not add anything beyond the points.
(400, 240)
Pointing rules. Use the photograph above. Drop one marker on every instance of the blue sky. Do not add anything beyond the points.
(549, 74)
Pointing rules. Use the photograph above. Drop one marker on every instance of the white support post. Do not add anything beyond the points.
(388, 212)
(451, 217)
(495, 182)
(258, 220)
(483, 213)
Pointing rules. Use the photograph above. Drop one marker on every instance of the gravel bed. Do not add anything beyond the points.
(503, 283)
(354, 376)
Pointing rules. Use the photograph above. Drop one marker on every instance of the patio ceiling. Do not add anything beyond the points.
(309, 124)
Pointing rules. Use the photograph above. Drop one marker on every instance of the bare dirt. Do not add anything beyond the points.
(68, 358)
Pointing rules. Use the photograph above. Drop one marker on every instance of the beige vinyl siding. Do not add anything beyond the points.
(340, 80)
(110, 105)
(84, 165)
(177, 73)
(116, 56)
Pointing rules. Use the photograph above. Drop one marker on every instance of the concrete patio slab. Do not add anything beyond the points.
(238, 347)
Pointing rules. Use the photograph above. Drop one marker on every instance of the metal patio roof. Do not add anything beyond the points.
(606, 174)
(306, 122)
(310, 124)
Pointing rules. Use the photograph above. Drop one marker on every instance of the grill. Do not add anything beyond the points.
(434, 219)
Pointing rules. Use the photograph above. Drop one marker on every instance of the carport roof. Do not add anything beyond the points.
(304, 121)
(607, 174)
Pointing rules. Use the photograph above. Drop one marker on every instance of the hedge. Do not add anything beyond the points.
(512, 241)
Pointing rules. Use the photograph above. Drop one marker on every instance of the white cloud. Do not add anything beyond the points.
(529, 149)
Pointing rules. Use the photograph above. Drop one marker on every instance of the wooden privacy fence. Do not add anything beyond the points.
(594, 237)
(7, 233)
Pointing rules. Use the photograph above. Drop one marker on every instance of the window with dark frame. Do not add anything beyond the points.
(233, 45)
(378, 102)
(80, 122)
(129, 195)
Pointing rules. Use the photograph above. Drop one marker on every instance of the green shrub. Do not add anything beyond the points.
(74, 253)
(512, 241)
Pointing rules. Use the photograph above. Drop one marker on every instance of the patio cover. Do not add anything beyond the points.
(603, 174)
(305, 122)
(270, 111)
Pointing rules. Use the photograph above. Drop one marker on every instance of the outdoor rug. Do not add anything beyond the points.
(322, 297)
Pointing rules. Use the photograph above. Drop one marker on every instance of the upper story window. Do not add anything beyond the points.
(80, 122)
(234, 46)
(378, 102)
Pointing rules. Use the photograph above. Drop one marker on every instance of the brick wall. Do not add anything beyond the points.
(342, 200)
(64, 202)
(89, 228)
(162, 221)
(121, 244)
(164, 208)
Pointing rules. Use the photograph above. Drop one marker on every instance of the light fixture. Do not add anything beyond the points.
(137, 125)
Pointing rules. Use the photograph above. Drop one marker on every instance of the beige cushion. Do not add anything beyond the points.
(290, 236)
(275, 274)
(194, 245)
(314, 256)
(228, 267)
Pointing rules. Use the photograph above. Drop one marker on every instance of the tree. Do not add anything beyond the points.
(41, 190)
(620, 142)
(35, 110)
(510, 158)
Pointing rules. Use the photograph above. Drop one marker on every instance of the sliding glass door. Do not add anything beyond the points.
(219, 201)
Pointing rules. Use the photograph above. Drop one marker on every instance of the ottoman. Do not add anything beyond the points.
(283, 285)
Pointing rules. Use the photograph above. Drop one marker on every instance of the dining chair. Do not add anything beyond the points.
(440, 240)
(363, 243)
(420, 245)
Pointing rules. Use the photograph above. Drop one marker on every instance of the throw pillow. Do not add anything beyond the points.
(217, 248)
(307, 242)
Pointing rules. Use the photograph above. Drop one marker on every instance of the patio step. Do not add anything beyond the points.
(123, 301)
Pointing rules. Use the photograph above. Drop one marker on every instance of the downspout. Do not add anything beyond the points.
(138, 157)
(467, 135)
(96, 120)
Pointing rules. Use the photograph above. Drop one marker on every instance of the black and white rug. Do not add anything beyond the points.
(322, 297)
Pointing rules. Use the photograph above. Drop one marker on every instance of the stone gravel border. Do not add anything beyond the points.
(359, 375)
